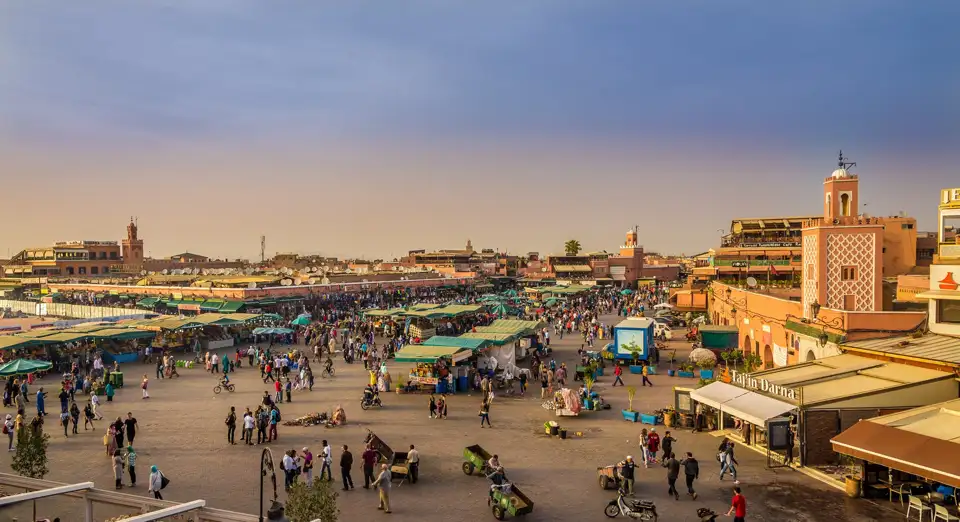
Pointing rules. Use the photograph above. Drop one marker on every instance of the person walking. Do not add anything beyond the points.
(65, 420)
(653, 445)
(156, 482)
(617, 372)
(131, 459)
(413, 459)
(485, 414)
(325, 467)
(728, 462)
(346, 464)
(75, 416)
(8, 430)
(231, 422)
(41, 395)
(130, 426)
(118, 469)
(249, 423)
(673, 472)
(289, 464)
(646, 371)
(691, 469)
(667, 443)
(738, 506)
(278, 389)
(369, 458)
(274, 420)
(143, 387)
(627, 470)
(383, 484)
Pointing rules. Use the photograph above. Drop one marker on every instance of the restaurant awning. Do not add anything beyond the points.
(744, 404)
(929, 457)
(716, 393)
(147, 302)
(429, 354)
(458, 342)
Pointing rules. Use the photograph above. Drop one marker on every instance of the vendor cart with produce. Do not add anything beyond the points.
(508, 499)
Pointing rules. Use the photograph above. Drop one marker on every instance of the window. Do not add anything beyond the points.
(848, 273)
(884, 250)
(94, 270)
(845, 204)
(113, 255)
(948, 311)
(906, 226)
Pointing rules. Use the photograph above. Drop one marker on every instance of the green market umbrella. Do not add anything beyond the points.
(626, 291)
(23, 367)
(301, 321)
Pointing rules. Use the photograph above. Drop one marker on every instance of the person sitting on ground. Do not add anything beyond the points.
(339, 416)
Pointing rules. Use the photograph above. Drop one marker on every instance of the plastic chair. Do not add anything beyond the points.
(918, 505)
(941, 513)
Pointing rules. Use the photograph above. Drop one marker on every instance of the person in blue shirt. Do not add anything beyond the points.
(41, 395)
(274, 419)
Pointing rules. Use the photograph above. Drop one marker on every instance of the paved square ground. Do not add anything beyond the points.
(182, 432)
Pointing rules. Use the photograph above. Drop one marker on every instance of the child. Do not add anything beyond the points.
(433, 406)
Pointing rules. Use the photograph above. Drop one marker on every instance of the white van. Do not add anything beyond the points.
(662, 330)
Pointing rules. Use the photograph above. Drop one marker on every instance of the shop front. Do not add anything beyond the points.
(819, 398)
(439, 369)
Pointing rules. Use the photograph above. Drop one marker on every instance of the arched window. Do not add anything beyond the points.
(845, 204)
(830, 203)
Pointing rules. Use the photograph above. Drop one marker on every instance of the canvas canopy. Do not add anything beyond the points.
(417, 353)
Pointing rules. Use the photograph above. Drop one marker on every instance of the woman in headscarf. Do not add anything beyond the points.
(156, 482)
(111, 441)
(118, 468)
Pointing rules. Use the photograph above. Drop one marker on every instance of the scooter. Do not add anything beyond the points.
(369, 402)
(636, 509)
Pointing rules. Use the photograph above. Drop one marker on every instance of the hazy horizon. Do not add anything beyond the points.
(370, 129)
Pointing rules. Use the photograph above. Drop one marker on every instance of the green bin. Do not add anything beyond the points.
(116, 379)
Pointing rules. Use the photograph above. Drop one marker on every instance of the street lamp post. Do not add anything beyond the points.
(275, 512)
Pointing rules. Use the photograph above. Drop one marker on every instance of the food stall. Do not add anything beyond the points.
(433, 363)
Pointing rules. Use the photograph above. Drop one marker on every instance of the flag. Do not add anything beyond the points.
(773, 270)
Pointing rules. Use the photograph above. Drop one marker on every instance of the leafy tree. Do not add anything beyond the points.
(317, 501)
(30, 459)
(572, 247)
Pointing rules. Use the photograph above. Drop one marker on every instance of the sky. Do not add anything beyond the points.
(370, 128)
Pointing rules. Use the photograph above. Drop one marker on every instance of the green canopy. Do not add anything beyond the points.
(231, 307)
(626, 291)
(23, 367)
(301, 321)
(426, 354)
(147, 302)
(460, 342)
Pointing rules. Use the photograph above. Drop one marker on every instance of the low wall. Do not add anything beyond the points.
(70, 310)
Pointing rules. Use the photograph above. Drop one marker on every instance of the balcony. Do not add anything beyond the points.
(769, 242)
(842, 221)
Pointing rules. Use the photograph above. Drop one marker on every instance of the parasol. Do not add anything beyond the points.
(23, 367)
(301, 321)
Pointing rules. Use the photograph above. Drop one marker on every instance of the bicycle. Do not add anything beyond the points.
(219, 388)
(327, 372)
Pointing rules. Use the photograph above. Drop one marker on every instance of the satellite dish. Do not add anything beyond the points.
(297, 281)
(249, 271)
(311, 281)
(751, 282)
(203, 271)
(164, 271)
(143, 272)
(251, 285)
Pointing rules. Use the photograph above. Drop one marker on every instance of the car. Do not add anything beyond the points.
(664, 320)
(663, 331)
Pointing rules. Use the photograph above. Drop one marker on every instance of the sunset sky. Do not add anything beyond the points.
(372, 127)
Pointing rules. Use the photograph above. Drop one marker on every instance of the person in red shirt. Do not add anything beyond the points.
(738, 506)
(653, 446)
(277, 387)
(617, 372)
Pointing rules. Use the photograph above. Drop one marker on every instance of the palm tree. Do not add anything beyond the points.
(572, 247)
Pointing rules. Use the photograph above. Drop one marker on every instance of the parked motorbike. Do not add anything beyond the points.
(636, 509)
(369, 402)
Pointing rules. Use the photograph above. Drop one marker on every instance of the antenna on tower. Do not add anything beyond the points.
(263, 248)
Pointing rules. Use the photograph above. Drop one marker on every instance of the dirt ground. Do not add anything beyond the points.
(182, 432)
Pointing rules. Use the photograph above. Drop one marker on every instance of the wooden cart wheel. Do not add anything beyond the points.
(604, 482)
(467, 468)
(498, 512)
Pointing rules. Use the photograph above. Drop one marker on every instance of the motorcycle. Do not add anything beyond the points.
(707, 515)
(636, 509)
(368, 402)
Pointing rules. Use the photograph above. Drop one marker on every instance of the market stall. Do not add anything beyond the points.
(433, 363)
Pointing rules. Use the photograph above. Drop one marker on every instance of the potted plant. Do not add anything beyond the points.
(635, 367)
(673, 360)
(629, 414)
(686, 370)
(706, 369)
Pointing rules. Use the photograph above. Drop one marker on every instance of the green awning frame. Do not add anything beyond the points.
(416, 353)
(230, 307)
(457, 342)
